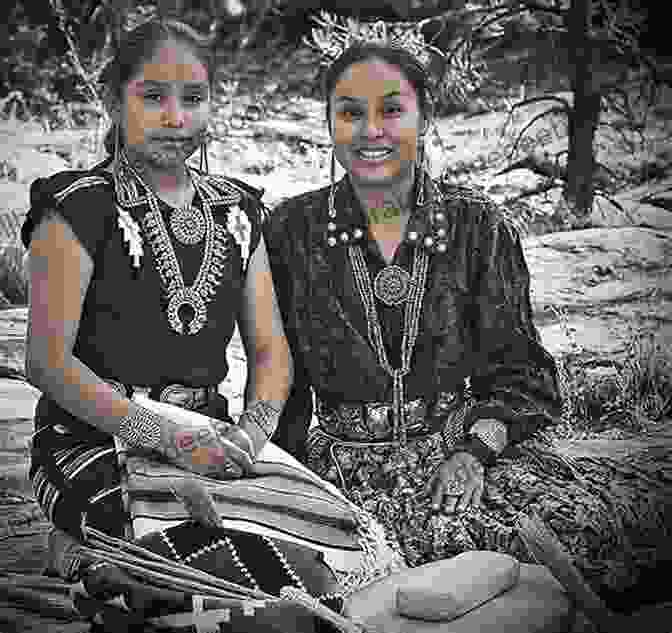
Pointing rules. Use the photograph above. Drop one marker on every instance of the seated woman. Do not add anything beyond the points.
(406, 305)
(139, 270)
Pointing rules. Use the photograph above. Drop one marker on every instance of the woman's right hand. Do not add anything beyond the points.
(220, 450)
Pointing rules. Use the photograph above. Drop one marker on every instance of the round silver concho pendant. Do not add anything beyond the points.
(187, 225)
(190, 298)
(392, 285)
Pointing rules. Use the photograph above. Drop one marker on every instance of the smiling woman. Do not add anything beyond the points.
(407, 309)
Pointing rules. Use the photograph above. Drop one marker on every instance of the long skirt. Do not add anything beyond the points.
(602, 516)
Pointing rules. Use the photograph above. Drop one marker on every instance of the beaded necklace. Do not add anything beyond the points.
(393, 286)
(198, 295)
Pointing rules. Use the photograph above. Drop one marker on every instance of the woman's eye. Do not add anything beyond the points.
(348, 115)
(153, 96)
(393, 110)
(195, 99)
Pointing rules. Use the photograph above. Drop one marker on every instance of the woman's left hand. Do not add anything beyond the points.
(457, 483)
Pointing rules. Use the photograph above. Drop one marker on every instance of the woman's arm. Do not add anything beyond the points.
(269, 362)
(298, 411)
(514, 379)
(60, 273)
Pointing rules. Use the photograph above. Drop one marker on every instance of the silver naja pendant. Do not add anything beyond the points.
(392, 285)
(192, 299)
(187, 225)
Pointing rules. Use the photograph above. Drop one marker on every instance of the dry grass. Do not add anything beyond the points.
(632, 395)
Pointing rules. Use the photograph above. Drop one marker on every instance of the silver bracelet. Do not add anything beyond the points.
(264, 415)
(492, 433)
(141, 429)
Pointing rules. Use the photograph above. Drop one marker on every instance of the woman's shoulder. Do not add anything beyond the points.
(471, 206)
(232, 191)
(82, 197)
(299, 209)
(62, 185)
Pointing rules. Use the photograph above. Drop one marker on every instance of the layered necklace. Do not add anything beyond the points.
(190, 226)
(393, 286)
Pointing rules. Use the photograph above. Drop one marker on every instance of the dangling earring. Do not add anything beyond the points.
(420, 172)
(115, 158)
(345, 237)
(332, 181)
(331, 227)
(203, 163)
(116, 144)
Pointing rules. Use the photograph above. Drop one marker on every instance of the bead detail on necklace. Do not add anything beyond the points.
(392, 285)
(187, 224)
(215, 251)
(412, 313)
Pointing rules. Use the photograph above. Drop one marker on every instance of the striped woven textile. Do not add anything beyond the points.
(282, 499)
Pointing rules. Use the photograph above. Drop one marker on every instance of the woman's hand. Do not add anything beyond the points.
(457, 483)
(219, 450)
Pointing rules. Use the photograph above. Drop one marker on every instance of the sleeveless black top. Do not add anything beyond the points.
(124, 333)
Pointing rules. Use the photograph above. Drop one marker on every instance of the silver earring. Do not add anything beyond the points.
(203, 163)
(116, 143)
(420, 174)
(332, 190)
(115, 158)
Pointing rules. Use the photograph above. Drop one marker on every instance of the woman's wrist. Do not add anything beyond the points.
(141, 428)
(476, 448)
(261, 416)
(485, 440)
(493, 433)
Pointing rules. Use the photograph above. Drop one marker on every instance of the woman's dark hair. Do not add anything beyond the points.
(139, 45)
(413, 70)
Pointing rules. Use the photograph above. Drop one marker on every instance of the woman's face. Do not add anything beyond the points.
(167, 107)
(375, 123)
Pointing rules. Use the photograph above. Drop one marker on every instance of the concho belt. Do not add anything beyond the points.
(373, 421)
(179, 395)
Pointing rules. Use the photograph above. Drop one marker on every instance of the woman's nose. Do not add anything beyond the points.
(173, 114)
(375, 123)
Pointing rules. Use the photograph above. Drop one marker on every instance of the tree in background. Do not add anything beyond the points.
(601, 56)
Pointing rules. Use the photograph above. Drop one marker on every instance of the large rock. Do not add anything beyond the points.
(608, 283)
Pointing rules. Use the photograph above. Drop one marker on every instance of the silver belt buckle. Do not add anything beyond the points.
(378, 418)
(416, 412)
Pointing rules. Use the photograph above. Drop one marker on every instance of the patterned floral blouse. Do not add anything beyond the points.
(476, 319)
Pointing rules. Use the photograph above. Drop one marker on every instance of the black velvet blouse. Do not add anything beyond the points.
(124, 333)
(476, 319)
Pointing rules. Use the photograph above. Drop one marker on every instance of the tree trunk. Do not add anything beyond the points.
(585, 114)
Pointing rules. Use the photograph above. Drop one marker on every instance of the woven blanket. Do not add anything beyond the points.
(281, 499)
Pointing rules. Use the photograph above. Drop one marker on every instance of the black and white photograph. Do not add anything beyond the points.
(335, 317)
